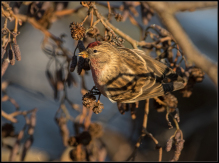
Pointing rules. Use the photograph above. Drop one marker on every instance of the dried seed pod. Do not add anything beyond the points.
(77, 31)
(84, 138)
(171, 100)
(118, 17)
(17, 52)
(98, 107)
(96, 130)
(50, 78)
(162, 32)
(86, 64)
(3, 52)
(11, 56)
(123, 107)
(179, 145)
(196, 74)
(7, 130)
(88, 100)
(4, 31)
(169, 145)
(59, 75)
(70, 79)
(63, 129)
(73, 63)
(5, 65)
(81, 46)
(77, 156)
(177, 135)
(80, 65)
(72, 141)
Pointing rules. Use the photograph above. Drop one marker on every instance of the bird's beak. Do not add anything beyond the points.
(83, 54)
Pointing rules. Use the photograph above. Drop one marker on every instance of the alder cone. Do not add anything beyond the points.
(73, 63)
(17, 52)
(80, 64)
(77, 31)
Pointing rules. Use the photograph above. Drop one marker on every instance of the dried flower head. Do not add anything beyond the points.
(89, 100)
(98, 107)
(171, 100)
(77, 31)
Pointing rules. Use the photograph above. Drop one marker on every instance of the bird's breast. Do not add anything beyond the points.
(97, 74)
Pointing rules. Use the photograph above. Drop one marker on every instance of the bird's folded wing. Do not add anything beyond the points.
(140, 77)
(131, 77)
(160, 70)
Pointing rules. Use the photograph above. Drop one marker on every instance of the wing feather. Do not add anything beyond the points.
(140, 77)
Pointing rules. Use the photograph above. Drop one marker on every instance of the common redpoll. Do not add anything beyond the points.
(129, 75)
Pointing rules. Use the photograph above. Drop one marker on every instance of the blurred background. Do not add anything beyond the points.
(30, 88)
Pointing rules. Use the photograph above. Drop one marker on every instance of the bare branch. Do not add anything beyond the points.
(190, 51)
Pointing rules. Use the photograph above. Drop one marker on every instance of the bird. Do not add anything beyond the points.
(126, 75)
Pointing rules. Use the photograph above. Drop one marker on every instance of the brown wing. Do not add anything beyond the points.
(141, 77)
(161, 70)
(132, 77)
(159, 88)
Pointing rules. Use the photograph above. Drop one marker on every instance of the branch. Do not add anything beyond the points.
(190, 51)
(191, 6)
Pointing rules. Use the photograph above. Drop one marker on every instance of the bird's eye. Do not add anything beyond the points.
(95, 51)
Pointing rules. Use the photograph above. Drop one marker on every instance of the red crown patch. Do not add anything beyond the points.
(93, 44)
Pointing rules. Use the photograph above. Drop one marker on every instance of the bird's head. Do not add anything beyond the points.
(100, 51)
